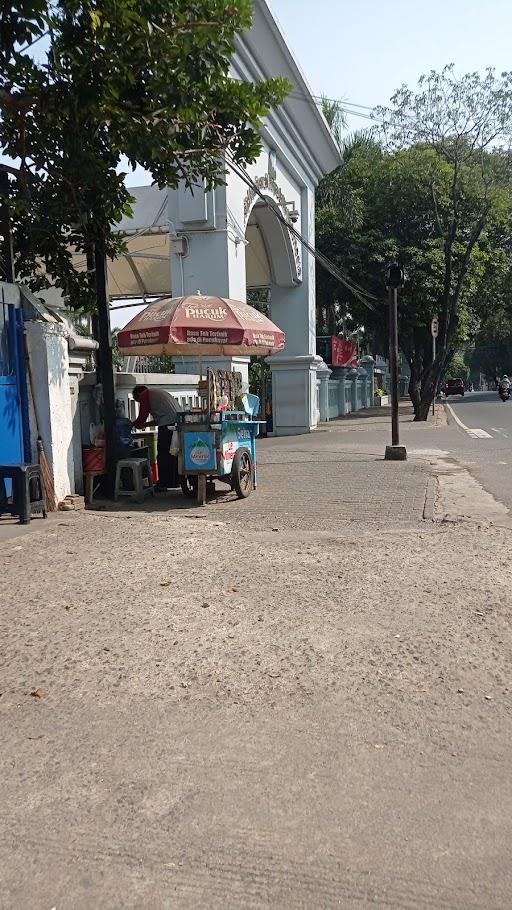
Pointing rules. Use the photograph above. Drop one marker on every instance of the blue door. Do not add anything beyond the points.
(12, 416)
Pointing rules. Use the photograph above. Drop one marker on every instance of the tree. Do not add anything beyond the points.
(340, 218)
(335, 117)
(465, 125)
(458, 367)
(436, 193)
(145, 78)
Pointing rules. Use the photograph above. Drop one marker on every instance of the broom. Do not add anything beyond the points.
(49, 489)
(46, 471)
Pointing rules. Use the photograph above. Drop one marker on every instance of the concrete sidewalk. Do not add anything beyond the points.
(299, 701)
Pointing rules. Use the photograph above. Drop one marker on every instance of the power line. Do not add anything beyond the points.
(347, 107)
(31, 44)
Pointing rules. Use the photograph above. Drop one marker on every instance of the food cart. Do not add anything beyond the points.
(219, 439)
(219, 446)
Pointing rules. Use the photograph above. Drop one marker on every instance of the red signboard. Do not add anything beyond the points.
(344, 353)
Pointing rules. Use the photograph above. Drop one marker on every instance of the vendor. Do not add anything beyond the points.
(163, 409)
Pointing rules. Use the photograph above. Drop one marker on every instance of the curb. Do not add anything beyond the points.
(429, 506)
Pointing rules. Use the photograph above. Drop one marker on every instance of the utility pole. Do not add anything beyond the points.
(106, 366)
(394, 280)
(6, 251)
(435, 332)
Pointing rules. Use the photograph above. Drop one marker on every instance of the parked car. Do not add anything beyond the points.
(454, 387)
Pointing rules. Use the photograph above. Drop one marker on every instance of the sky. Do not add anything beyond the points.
(362, 50)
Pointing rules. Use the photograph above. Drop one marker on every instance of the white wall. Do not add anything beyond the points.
(48, 347)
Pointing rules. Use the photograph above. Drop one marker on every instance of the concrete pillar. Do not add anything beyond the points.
(363, 385)
(48, 347)
(341, 375)
(294, 371)
(353, 376)
(368, 365)
(323, 373)
(208, 258)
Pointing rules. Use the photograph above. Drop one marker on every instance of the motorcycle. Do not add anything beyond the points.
(504, 392)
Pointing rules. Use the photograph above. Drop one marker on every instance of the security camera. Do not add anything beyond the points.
(293, 212)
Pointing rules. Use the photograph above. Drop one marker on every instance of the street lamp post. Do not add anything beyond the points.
(394, 280)
(434, 328)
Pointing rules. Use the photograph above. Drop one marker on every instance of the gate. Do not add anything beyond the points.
(14, 425)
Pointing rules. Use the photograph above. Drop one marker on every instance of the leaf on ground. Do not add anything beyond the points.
(165, 584)
(38, 693)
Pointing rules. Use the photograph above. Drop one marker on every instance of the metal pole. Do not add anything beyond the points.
(433, 362)
(106, 366)
(393, 364)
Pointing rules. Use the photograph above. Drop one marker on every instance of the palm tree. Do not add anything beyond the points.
(336, 118)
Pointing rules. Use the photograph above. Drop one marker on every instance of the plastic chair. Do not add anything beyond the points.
(251, 404)
(28, 496)
(141, 478)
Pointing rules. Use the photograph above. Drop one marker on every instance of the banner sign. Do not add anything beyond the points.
(199, 453)
(344, 353)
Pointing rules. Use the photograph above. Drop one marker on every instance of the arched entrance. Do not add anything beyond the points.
(270, 262)
(277, 284)
(272, 258)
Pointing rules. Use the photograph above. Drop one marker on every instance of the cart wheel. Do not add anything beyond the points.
(189, 486)
(201, 489)
(242, 473)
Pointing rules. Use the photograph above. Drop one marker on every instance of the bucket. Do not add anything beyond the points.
(93, 459)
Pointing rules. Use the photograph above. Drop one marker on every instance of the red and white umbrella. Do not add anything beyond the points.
(200, 325)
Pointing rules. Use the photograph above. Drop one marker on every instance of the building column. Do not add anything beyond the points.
(368, 365)
(294, 370)
(323, 373)
(207, 257)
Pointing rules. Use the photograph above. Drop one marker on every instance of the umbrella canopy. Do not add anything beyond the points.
(200, 325)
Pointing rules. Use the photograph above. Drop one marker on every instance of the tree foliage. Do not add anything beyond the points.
(436, 193)
(458, 367)
(84, 82)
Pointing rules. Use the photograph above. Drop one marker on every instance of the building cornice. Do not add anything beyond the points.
(262, 53)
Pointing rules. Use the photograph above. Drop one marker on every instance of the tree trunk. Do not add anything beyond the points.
(415, 390)
(430, 383)
(332, 326)
(427, 397)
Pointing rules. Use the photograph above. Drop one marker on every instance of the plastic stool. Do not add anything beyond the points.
(28, 497)
(91, 485)
(142, 482)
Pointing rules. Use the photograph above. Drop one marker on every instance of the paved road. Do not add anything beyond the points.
(484, 440)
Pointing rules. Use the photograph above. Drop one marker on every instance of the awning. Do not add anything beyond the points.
(145, 269)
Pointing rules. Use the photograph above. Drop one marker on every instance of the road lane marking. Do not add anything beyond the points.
(500, 431)
(479, 434)
(475, 434)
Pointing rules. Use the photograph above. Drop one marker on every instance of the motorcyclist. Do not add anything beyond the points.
(504, 387)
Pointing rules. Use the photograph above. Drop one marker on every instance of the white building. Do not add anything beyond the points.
(227, 240)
